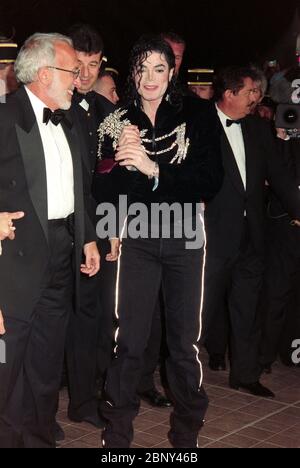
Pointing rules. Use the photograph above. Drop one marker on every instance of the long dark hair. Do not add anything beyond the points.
(144, 46)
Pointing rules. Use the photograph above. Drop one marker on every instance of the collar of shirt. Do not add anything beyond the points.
(223, 117)
(88, 97)
(37, 105)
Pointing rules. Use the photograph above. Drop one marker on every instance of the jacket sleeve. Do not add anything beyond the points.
(199, 177)
(279, 176)
(90, 210)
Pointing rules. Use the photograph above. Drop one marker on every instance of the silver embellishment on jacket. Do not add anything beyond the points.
(112, 126)
(183, 145)
(180, 142)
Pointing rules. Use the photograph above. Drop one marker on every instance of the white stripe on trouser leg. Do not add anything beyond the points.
(117, 287)
(201, 302)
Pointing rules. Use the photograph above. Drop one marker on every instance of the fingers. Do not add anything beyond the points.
(92, 270)
(16, 215)
(6, 224)
(7, 231)
(295, 222)
(11, 235)
(110, 258)
(130, 134)
(115, 250)
(2, 327)
(130, 152)
(89, 270)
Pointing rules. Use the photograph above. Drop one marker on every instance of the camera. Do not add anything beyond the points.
(288, 117)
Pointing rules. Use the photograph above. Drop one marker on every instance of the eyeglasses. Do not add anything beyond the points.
(75, 73)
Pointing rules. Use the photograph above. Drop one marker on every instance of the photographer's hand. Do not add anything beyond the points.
(295, 222)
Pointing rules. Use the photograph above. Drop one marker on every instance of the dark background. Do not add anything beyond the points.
(216, 33)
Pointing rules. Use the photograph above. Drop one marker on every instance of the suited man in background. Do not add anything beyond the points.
(41, 174)
(235, 223)
(280, 296)
(88, 110)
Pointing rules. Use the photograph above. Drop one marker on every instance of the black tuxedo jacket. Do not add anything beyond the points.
(87, 123)
(23, 187)
(225, 213)
(290, 152)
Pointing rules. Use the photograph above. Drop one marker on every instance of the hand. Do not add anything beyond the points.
(281, 133)
(92, 259)
(295, 222)
(131, 154)
(130, 134)
(2, 328)
(7, 229)
(114, 250)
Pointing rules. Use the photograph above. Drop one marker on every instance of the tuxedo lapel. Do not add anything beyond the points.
(249, 144)
(32, 153)
(230, 164)
(79, 210)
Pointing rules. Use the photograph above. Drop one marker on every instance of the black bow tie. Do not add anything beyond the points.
(89, 97)
(56, 117)
(230, 122)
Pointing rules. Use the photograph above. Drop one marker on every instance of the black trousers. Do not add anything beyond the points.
(145, 264)
(81, 350)
(155, 352)
(30, 378)
(106, 293)
(218, 338)
(232, 286)
(107, 326)
(280, 295)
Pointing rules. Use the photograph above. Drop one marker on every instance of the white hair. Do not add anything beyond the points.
(37, 51)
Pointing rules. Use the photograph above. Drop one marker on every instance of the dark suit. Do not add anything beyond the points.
(35, 277)
(235, 225)
(89, 321)
(280, 295)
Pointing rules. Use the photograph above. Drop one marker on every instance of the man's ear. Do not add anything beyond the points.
(44, 76)
(228, 94)
(171, 74)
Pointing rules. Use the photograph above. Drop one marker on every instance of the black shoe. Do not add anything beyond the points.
(155, 398)
(255, 388)
(217, 362)
(94, 420)
(59, 432)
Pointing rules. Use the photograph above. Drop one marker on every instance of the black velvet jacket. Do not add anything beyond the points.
(185, 142)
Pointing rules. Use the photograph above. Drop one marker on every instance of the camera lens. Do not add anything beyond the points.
(290, 116)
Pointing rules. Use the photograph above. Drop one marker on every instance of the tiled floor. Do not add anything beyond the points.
(234, 419)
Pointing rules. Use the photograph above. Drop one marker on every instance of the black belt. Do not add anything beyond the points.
(69, 221)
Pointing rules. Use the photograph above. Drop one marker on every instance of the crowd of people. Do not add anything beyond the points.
(205, 254)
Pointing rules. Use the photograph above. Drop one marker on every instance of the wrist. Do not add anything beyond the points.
(155, 171)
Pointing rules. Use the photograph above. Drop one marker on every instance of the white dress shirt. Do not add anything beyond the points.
(235, 137)
(59, 164)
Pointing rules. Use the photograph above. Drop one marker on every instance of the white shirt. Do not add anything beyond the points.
(59, 164)
(235, 137)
